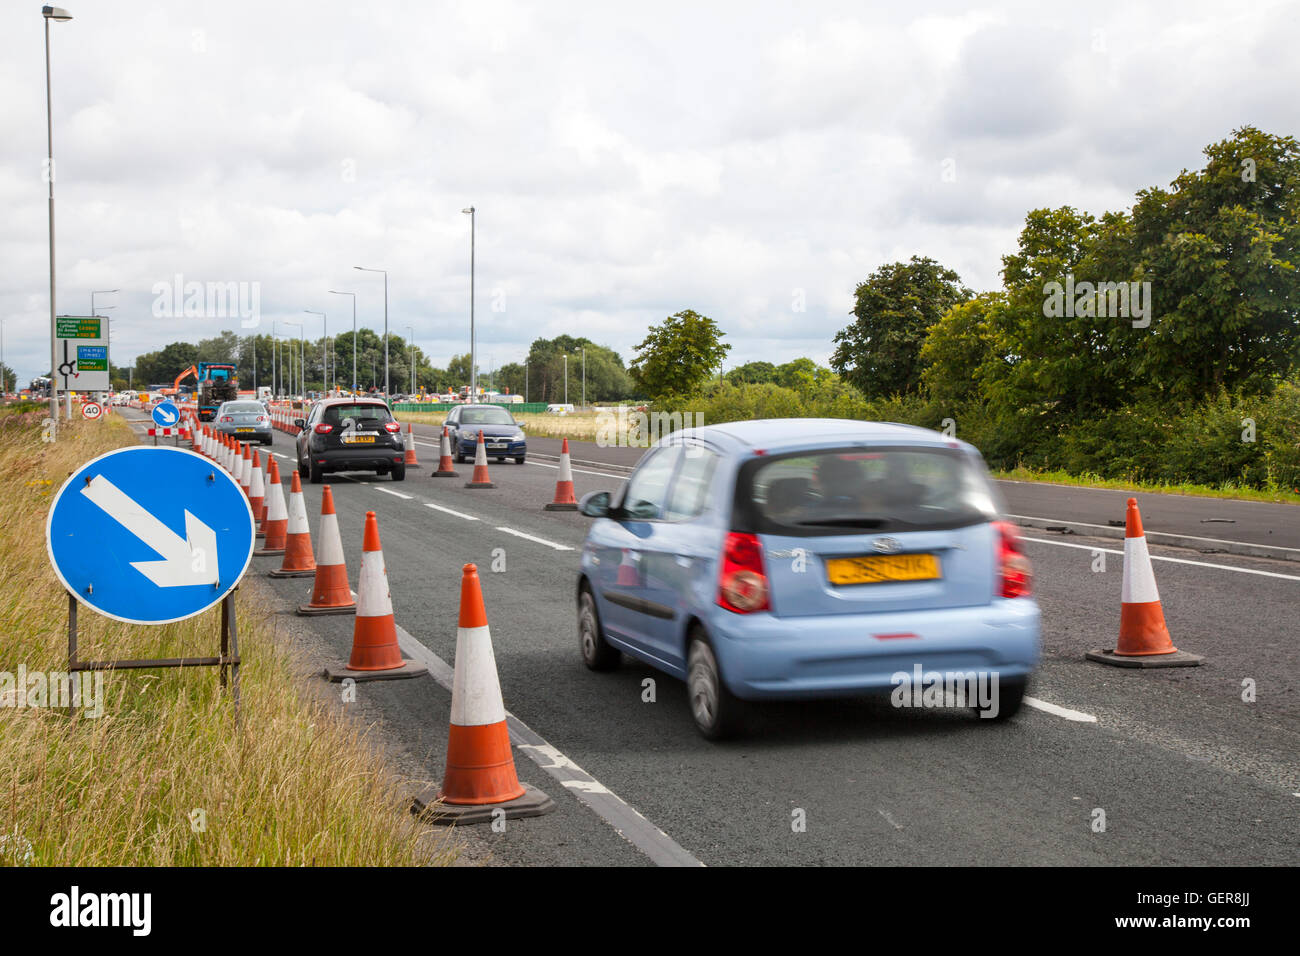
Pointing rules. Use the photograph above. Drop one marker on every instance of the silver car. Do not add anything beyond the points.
(246, 420)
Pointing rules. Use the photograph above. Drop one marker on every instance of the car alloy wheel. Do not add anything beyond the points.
(597, 654)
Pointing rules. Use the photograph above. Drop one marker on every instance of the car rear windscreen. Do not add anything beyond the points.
(338, 414)
(843, 491)
(244, 408)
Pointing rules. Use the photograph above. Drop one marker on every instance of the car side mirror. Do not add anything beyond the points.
(300, 423)
(595, 504)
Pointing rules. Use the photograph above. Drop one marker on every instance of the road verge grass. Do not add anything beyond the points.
(163, 776)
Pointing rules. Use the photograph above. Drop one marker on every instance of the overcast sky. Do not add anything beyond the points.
(627, 161)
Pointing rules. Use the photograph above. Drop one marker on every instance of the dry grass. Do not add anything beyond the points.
(579, 427)
(296, 784)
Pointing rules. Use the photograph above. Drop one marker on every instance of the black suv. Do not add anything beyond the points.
(350, 434)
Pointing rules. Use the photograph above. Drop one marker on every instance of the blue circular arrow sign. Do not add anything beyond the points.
(166, 414)
(150, 535)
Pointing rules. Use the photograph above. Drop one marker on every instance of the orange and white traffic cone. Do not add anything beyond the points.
(564, 500)
(480, 477)
(446, 468)
(257, 494)
(245, 468)
(375, 654)
(410, 458)
(480, 778)
(1143, 636)
(299, 562)
(276, 524)
(330, 593)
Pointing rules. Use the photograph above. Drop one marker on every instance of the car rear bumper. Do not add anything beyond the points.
(357, 459)
(260, 432)
(766, 657)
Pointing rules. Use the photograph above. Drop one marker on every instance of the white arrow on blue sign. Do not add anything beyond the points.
(166, 414)
(150, 535)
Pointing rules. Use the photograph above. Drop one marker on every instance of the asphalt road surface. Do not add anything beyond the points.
(1184, 769)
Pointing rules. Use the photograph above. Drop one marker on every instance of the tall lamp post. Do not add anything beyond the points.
(62, 16)
(302, 385)
(354, 335)
(473, 365)
(410, 354)
(324, 349)
(109, 336)
(385, 272)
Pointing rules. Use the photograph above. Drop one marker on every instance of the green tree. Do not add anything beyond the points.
(894, 309)
(679, 355)
(752, 373)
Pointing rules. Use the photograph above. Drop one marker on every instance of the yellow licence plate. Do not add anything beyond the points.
(245, 429)
(871, 569)
(360, 440)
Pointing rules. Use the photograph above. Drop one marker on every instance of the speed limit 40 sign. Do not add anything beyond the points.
(92, 410)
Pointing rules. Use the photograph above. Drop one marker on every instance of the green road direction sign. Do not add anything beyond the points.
(81, 350)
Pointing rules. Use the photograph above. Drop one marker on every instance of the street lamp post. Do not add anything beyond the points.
(473, 366)
(385, 272)
(301, 387)
(109, 336)
(61, 15)
(354, 335)
(324, 349)
(410, 354)
(584, 376)
(566, 378)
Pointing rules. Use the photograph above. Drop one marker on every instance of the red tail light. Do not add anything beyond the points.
(393, 427)
(1015, 575)
(226, 418)
(323, 429)
(742, 585)
(261, 418)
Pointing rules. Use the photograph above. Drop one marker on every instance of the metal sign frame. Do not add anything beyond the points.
(227, 658)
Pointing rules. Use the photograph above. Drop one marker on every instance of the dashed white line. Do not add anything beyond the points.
(549, 544)
(395, 494)
(1059, 711)
(1165, 534)
(626, 820)
(458, 514)
(1161, 557)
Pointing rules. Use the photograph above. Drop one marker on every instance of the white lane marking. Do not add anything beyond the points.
(549, 544)
(278, 455)
(626, 820)
(395, 494)
(1160, 557)
(1167, 534)
(892, 822)
(576, 471)
(458, 514)
(1059, 711)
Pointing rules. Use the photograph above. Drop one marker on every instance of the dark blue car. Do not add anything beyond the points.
(502, 435)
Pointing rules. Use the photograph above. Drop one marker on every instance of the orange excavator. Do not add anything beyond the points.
(176, 386)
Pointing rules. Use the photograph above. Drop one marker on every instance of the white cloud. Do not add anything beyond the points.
(626, 163)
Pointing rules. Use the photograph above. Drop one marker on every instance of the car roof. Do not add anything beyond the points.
(783, 434)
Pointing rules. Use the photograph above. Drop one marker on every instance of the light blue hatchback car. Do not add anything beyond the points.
(802, 558)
